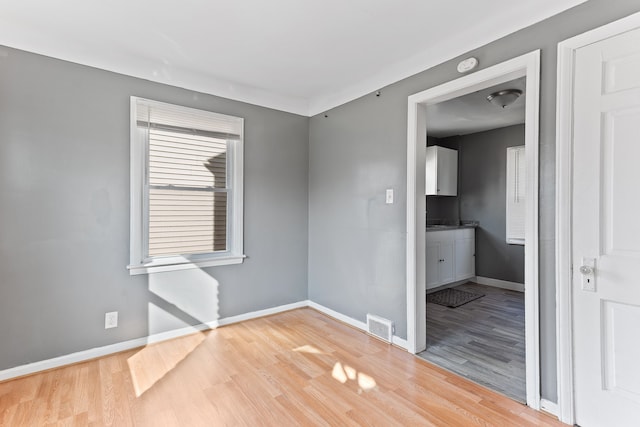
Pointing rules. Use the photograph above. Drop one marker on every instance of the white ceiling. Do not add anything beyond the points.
(472, 113)
(299, 56)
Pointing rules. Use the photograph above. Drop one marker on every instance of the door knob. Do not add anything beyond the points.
(585, 269)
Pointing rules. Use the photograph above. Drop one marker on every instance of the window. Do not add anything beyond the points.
(516, 194)
(186, 188)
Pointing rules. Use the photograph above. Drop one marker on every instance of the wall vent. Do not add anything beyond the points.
(380, 327)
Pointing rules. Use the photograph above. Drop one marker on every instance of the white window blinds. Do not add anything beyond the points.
(516, 195)
(188, 178)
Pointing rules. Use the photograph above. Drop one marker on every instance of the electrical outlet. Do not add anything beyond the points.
(111, 320)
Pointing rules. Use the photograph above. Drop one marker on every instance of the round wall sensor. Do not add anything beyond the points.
(467, 65)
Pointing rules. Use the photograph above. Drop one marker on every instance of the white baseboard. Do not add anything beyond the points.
(339, 316)
(256, 314)
(497, 283)
(106, 350)
(400, 342)
(449, 285)
(549, 407)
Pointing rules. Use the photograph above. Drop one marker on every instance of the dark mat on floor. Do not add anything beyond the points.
(452, 297)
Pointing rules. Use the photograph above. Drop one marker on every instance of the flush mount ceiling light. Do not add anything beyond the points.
(505, 97)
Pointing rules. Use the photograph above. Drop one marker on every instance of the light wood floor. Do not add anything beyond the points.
(482, 340)
(294, 368)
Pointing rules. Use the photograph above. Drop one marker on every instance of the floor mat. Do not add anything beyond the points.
(452, 297)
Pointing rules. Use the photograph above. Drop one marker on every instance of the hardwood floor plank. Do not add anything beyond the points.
(301, 412)
(295, 368)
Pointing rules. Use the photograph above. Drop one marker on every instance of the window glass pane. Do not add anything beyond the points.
(186, 221)
(186, 214)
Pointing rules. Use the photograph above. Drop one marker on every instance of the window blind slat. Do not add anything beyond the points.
(174, 149)
(186, 170)
(179, 156)
(192, 142)
(184, 180)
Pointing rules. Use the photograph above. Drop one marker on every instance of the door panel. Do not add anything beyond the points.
(446, 263)
(432, 264)
(465, 260)
(621, 354)
(621, 154)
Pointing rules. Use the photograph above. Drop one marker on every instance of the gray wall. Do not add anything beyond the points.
(64, 214)
(357, 243)
(482, 160)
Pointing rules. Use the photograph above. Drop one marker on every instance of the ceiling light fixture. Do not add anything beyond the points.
(504, 98)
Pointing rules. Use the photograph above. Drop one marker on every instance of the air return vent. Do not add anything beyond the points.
(380, 327)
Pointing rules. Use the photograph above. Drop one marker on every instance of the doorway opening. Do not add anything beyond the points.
(525, 67)
(475, 238)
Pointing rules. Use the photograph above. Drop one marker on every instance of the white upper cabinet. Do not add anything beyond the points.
(441, 171)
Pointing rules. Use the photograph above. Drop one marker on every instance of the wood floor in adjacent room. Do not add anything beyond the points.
(295, 368)
(482, 340)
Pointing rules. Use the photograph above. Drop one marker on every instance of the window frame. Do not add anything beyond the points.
(516, 173)
(139, 263)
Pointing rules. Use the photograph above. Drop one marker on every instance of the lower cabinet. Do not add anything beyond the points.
(450, 256)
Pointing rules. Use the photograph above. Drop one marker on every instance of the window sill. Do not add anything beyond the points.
(159, 266)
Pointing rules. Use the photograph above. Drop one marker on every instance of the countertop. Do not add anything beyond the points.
(450, 227)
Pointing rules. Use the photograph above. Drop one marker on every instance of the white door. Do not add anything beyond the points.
(606, 232)
(447, 259)
(447, 172)
(432, 264)
(465, 248)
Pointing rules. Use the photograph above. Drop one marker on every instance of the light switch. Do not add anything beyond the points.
(389, 199)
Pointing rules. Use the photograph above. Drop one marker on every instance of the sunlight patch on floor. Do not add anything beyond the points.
(308, 349)
(344, 373)
(153, 362)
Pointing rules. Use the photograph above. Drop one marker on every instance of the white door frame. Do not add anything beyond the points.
(564, 149)
(526, 65)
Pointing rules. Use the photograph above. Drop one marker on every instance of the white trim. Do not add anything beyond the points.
(502, 284)
(549, 407)
(564, 115)
(257, 314)
(211, 262)
(400, 342)
(564, 314)
(526, 65)
(416, 207)
(352, 322)
(338, 316)
(106, 350)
